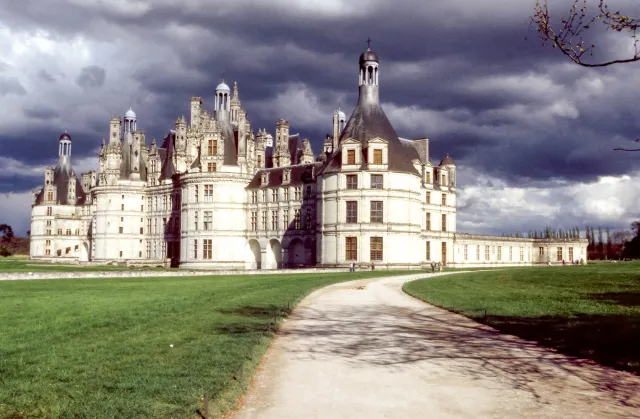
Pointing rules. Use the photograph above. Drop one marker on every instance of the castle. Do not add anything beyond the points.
(216, 194)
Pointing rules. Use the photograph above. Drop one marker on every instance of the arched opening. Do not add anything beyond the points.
(370, 75)
(84, 253)
(274, 255)
(253, 255)
(297, 254)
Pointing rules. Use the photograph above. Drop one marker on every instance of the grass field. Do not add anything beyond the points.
(101, 348)
(23, 264)
(588, 311)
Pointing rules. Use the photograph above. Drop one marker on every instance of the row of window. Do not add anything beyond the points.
(297, 224)
(375, 248)
(297, 194)
(377, 156)
(375, 181)
(443, 224)
(67, 251)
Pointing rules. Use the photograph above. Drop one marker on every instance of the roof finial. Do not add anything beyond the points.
(368, 43)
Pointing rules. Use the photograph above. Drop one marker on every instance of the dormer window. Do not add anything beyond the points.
(265, 178)
(286, 176)
(444, 179)
(377, 156)
(351, 157)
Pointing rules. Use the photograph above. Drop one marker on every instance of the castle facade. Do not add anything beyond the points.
(217, 194)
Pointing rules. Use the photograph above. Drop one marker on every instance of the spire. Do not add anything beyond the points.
(235, 90)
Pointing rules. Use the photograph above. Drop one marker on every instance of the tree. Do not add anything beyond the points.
(568, 33)
(6, 234)
(632, 248)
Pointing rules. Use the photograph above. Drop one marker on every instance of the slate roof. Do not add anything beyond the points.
(300, 174)
(61, 175)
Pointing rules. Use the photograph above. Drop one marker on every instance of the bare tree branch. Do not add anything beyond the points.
(629, 149)
(568, 34)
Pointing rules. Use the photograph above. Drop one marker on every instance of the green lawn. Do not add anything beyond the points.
(588, 311)
(100, 348)
(23, 264)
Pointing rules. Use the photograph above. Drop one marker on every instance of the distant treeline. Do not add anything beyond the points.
(10, 244)
(603, 243)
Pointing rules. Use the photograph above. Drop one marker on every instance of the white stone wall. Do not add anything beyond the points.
(226, 229)
(62, 234)
(400, 229)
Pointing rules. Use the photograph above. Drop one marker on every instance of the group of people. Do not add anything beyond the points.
(352, 267)
(436, 265)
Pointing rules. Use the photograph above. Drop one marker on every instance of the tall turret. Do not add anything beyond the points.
(222, 106)
(282, 155)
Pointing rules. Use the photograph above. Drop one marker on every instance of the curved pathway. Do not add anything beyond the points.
(364, 349)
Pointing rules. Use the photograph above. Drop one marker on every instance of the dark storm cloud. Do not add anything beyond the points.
(472, 77)
(41, 112)
(91, 76)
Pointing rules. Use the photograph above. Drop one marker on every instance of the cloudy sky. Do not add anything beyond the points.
(533, 134)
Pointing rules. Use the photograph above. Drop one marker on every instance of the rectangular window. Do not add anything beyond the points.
(296, 219)
(307, 219)
(264, 196)
(376, 181)
(49, 211)
(274, 196)
(429, 221)
(164, 202)
(376, 211)
(207, 249)
(120, 230)
(285, 219)
(352, 181)
(444, 198)
(428, 178)
(352, 211)
(286, 194)
(297, 193)
(208, 220)
(541, 251)
(208, 193)
(444, 253)
(196, 198)
(559, 254)
(571, 254)
(521, 254)
(375, 244)
(486, 253)
(195, 249)
(444, 180)
(377, 156)
(254, 197)
(499, 253)
(259, 160)
(121, 207)
(308, 192)
(211, 167)
(141, 230)
(466, 252)
(428, 197)
(264, 221)
(274, 220)
(444, 222)
(351, 247)
(254, 220)
(351, 157)
(212, 148)
(428, 250)
(195, 221)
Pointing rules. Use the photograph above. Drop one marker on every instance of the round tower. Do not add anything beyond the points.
(129, 121)
(222, 101)
(64, 149)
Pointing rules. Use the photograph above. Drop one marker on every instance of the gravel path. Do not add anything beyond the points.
(364, 349)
